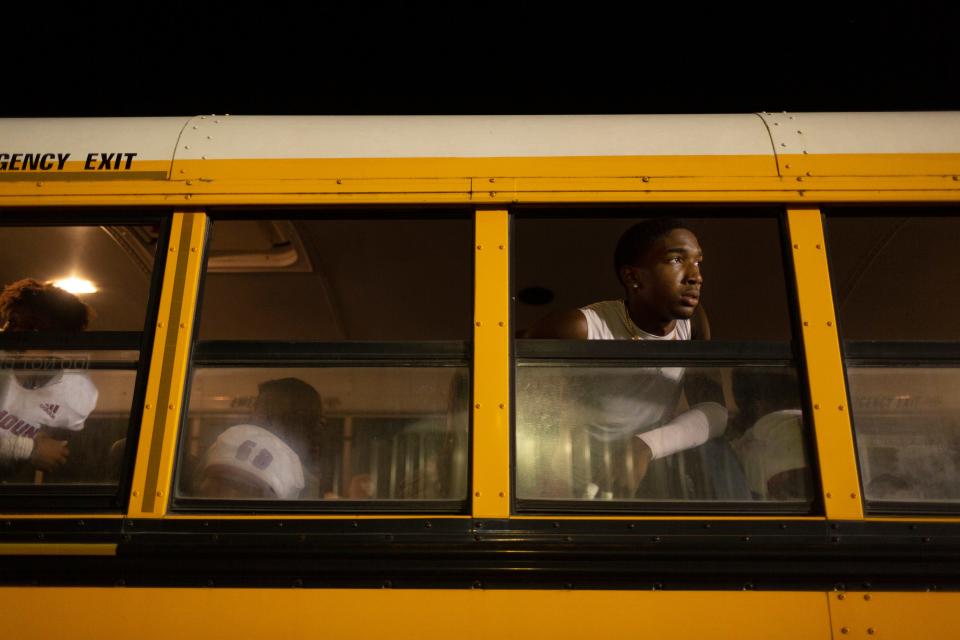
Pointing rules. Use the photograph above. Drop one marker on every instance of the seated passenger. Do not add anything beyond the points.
(771, 448)
(658, 264)
(247, 461)
(264, 458)
(34, 407)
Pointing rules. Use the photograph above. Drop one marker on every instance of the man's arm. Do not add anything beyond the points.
(44, 452)
(562, 325)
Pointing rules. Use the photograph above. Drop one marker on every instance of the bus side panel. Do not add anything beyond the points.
(894, 615)
(412, 613)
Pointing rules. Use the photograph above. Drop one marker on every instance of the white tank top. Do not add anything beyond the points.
(609, 320)
(630, 401)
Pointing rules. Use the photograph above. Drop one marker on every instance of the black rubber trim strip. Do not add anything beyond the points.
(875, 507)
(677, 507)
(232, 353)
(83, 341)
(678, 352)
(880, 353)
(505, 554)
(254, 507)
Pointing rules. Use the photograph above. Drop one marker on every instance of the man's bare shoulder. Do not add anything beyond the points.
(570, 324)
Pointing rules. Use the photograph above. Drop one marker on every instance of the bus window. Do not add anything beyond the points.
(337, 433)
(892, 274)
(577, 435)
(333, 365)
(908, 433)
(73, 317)
(677, 385)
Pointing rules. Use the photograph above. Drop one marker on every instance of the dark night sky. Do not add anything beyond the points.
(407, 59)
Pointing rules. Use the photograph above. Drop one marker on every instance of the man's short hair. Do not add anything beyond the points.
(64, 310)
(637, 240)
(295, 405)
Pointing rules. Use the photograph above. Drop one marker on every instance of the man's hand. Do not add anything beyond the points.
(641, 460)
(48, 453)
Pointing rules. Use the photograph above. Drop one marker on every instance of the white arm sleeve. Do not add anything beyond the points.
(688, 430)
(15, 448)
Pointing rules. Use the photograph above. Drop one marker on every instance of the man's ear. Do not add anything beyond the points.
(631, 277)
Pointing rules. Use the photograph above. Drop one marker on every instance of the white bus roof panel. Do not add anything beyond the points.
(149, 138)
(865, 133)
(233, 137)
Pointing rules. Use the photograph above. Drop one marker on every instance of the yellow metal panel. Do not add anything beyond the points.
(344, 171)
(503, 181)
(168, 366)
(831, 416)
(483, 186)
(790, 184)
(841, 177)
(423, 614)
(55, 549)
(881, 615)
(491, 366)
(380, 168)
(863, 164)
(304, 195)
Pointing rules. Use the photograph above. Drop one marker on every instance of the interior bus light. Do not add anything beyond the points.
(75, 285)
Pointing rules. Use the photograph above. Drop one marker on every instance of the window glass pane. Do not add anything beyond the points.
(337, 433)
(908, 432)
(634, 433)
(107, 267)
(63, 425)
(333, 279)
(566, 263)
(895, 277)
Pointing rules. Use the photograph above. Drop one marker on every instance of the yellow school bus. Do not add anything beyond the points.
(310, 397)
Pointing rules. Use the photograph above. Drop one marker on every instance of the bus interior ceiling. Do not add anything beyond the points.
(893, 276)
(118, 264)
(357, 280)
